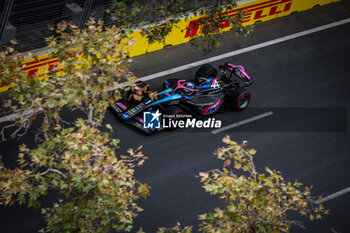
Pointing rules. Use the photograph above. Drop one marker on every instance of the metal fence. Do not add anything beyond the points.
(27, 20)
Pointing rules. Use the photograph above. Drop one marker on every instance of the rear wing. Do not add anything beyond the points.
(235, 73)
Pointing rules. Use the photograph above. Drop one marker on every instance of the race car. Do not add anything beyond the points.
(204, 95)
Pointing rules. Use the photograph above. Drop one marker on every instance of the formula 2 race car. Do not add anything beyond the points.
(204, 95)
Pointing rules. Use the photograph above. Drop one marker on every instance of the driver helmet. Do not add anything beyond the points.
(189, 85)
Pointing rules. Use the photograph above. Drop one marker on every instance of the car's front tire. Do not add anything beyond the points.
(173, 110)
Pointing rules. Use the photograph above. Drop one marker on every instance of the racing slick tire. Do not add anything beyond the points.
(205, 71)
(240, 99)
(173, 110)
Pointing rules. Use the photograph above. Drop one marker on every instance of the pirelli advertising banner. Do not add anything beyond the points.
(256, 11)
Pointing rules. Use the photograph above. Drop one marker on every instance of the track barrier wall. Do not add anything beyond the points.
(256, 11)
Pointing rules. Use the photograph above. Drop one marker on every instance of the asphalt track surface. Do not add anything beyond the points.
(305, 82)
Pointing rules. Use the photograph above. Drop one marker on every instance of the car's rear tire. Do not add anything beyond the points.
(240, 99)
(205, 71)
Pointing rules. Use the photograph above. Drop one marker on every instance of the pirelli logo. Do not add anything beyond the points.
(252, 13)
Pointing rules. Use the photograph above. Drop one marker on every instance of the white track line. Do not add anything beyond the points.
(246, 121)
(335, 195)
(222, 56)
(244, 50)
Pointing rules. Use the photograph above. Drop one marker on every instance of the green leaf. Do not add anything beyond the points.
(261, 177)
(237, 165)
(109, 127)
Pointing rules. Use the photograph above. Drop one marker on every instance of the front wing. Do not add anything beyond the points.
(119, 108)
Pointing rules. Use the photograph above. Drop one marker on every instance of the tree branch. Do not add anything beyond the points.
(53, 170)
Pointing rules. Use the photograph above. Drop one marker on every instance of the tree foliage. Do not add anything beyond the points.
(98, 192)
(90, 60)
(176, 229)
(96, 189)
(253, 201)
